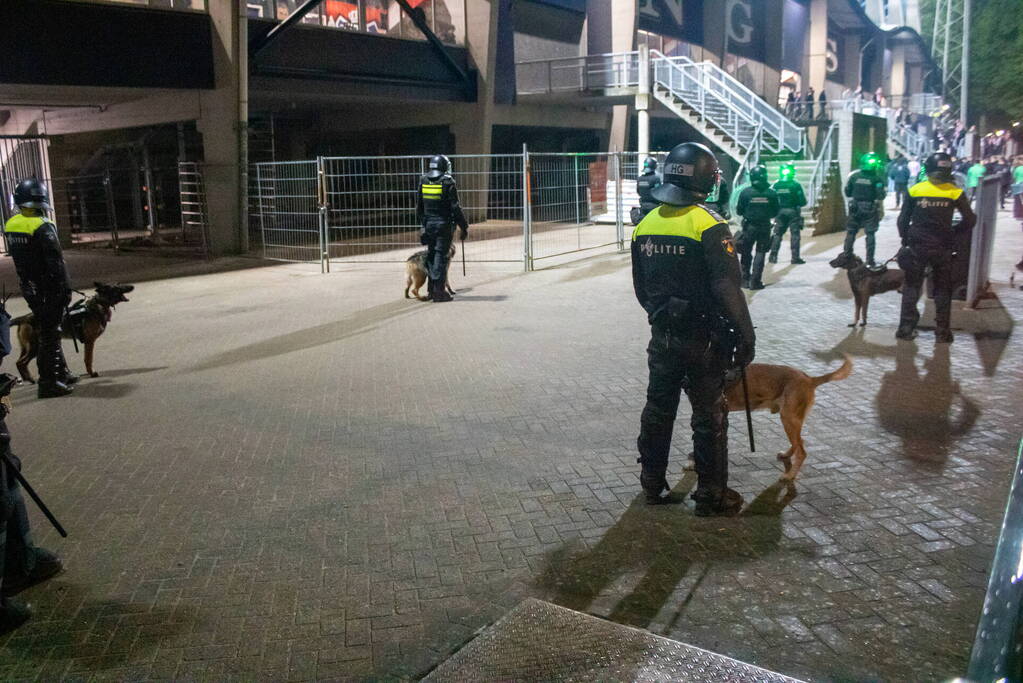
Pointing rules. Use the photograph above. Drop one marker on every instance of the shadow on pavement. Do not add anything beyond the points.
(662, 544)
(128, 371)
(856, 345)
(596, 268)
(925, 410)
(358, 323)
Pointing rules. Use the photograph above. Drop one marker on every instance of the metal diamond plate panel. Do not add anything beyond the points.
(541, 641)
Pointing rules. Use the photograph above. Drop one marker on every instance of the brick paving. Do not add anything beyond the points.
(271, 479)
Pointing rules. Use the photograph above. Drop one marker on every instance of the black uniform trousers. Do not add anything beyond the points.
(755, 235)
(864, 215)
(790, 219)
(901, 191)
(49, 312)
(17, 552)
(685, 361)
(437, 237)
(914, 263)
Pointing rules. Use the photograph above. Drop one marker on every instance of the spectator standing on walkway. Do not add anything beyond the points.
(913, 166)
(1017, 197)
(809, 103)
(822, 105)
(928, 242)
(686, 277)
(973, 176)
(900, 177)
(790, 104)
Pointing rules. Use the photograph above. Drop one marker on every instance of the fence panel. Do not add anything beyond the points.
(371, 206)
(575, 203)
(289, 210)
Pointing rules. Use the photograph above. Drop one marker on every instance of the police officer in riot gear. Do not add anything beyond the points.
(791, 200)
(757, 206)
(686, 277)
(865, 189)
(22, 563)
(927, 232)
(720, 199)
(645, 184)
(45, 284)
(438, 211)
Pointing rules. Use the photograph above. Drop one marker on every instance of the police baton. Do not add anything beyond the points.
(32, 494)
(463, 257)
(749, 412)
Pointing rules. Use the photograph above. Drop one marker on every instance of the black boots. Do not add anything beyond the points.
(943, 336)
(719, 503)
(440, 293)
(13, 613)
(53, 390)
(46, 566)
(654, 483)
(906, 332)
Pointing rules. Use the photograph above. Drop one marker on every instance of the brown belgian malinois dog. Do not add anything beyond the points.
(790, 392)
(85, 321)
(416, 273)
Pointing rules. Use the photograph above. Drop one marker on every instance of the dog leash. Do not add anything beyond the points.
(749, 412)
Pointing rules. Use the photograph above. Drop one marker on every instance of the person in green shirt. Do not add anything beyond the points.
(973, 176)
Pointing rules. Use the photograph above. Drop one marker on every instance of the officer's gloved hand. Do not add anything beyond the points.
(463, 233)
(744, 354)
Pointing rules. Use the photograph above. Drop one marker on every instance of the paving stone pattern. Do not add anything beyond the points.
(282, 475)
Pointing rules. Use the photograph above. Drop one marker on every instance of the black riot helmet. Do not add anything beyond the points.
(758, 176)
(690, 174)
(939, 167)
(649, 165)
(439, 167)
(31, 193)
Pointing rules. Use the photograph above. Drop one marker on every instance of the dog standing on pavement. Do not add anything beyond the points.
(866, 282)
(788, 391)
(416, 273)
(84, 321)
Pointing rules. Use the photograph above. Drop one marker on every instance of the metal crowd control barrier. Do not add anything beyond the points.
(522, 208)
(996, 654)
(983, 239)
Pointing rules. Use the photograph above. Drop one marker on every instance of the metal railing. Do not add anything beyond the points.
(683, 82)
(195, 224)
(996, 654)
(826, 157)
(785, 134)
(913, 144)
(577, 74)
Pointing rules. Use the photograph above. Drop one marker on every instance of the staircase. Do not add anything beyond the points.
(724, 110)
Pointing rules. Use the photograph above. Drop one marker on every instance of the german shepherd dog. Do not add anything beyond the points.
(786, 390)
(416, 273)
(85, 321)
(866, 282)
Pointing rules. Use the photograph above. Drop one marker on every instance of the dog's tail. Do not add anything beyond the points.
(21, 320)
(835, 375)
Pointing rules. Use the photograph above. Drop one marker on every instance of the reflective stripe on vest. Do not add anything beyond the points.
(432, 190)
(24, 224)
(676, 221)
(929, 189)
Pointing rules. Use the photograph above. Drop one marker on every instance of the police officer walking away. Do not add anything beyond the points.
(686, 277)
(925, 226)
(645, 184)
(865, 189)
(33, 244)
(22, 563)
(791, 200)
(757, 205)
(438, 212)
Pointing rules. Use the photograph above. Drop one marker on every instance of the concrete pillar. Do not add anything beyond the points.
(223, 126)
(897, 77)
(623, 39)
(817, 47)
(643, 103)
